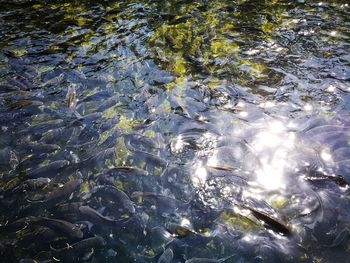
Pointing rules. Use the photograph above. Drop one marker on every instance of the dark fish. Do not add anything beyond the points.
(35, 235)
(151, 159)
(42, 127)
(122, 170)
(273, 223)
(69, 208)
(16, 225)
(64, 191)
(127, 173)
(32, 184)
(33, 160)
(89, 118)
(51, 81)
(113, 101)
(113, 194)
(21, 103)
(138, 142)
(27, 260)
(208, 260)
(60, 226)
(49, 170)
(337, 179)
(130, 169)
(161, 200)
(70, 252)
(37, 147)
(95, 217)
(14, 93)
(224, 168)
(55, 135)
(167, 256)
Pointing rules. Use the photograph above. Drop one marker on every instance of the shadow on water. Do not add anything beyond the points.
(178, 131)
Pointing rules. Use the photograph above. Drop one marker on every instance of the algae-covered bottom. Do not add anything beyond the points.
(174, 131)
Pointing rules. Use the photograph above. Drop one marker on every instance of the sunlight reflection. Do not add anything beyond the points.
(243, 114)
(213, 161)
(185, 222)
(267, 104)
(273, 146)
(178, 144)
(308, 107)
(331, 88)
(326, 155)
(200, 175)
(249, 238)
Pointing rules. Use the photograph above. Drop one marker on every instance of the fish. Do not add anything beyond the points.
(33, 160)
(69, 208)
(70, 252)
(37, 147)
(51, 136)
(71, 97)
(87, 119)
(113, 194)
(167, 256)
(49, 170)
(21, 103)
(138, 142)
(95, 217)
(35, 235)
(273, 223)
(61, 226)
(62, 192)
(28, 260)
(208, 260)
(14, 93)
(17, 225)
(41, 127)
(337, 179)
(32, 184)
(161, 200)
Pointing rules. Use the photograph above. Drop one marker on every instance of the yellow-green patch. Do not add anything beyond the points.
(240, 222)
(122, 153)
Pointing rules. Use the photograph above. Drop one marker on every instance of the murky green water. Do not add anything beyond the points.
(166, 131)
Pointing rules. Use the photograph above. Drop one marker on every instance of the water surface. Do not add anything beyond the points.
(145, 131)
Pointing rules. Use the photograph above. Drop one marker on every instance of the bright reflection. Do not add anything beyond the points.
(267, 104)
(185, 222)
(178, 144)
(272, 146)
(200, 175)
(240, 104)
(308, 107)
(331, 88)
(243, 114)
(326, 156)
(253, 51)
(333, 33)
(213, 161)
(249, 238)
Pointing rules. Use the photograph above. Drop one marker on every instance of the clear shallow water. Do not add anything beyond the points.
(172, 131)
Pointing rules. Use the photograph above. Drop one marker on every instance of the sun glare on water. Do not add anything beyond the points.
(272, 146)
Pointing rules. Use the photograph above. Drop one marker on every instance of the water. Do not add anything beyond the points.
(138, 131)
